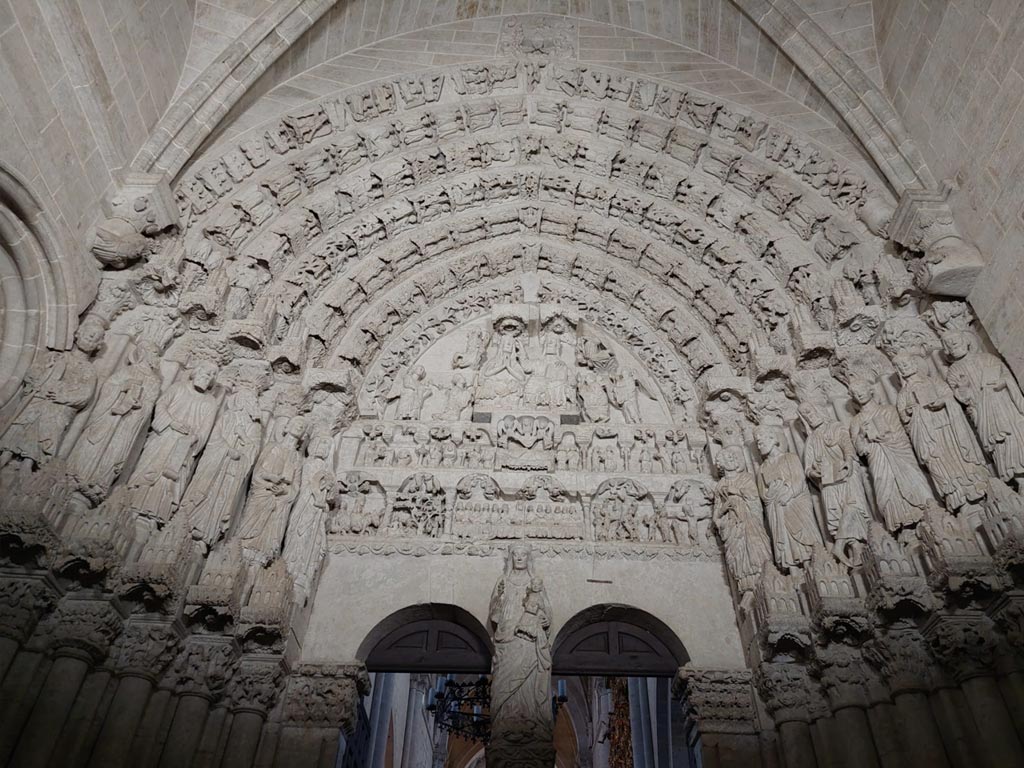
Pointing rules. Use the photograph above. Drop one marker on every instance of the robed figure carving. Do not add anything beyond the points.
(182, 421)
(940, 434)
(985, 386)
(739, 519)
(787, 502)
(522, 726)
(117, 423)
(901, 488)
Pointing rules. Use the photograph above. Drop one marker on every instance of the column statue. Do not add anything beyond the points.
(901, 489)
(993, 400)
(787, 502)
(522, 727)
(57, 387)
(940, 434)
(739, 519)
(829, 462)
(273, 491)
(182, 421)
(218, 487)
(305, 541)
(117, 423)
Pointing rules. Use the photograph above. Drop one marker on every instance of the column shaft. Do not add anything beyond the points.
(958, 731)
(1012, 686)
(797, 747)
(114, 744)
(999, 736)
(51, 711)
(243, 740)
(17, 696)
(186, 730)
(884, 722)
(924, 748)
(857, 742)
(8, 650)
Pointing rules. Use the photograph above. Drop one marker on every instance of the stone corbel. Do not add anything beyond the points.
(783, 629)
(895, 587)
(141, 207)
(923, 223)
(838, 612)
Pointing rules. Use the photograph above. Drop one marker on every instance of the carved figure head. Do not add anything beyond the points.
(729, 459)
(90, 333)
(861, 390)
(203, 375)
(907, 365)
(812, 413)
(519, 558)
(957, 344)
(768, 440)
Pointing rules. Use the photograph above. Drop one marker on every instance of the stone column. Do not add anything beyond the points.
(965, 643)
(786, 692)
(843, 674)
(640, 716)
(902, 658)
(143, 652)
(254, 688)
(319, 700)
(23, 599)
(79, 634)
(719, 705)
(199, 674)
(417, 733)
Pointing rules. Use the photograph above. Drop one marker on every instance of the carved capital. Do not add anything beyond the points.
(965, 643)
(844, 676)
(256, 683)
(146, 648)
(717, 701)
(786, 689)
(23, 601)
(1008, 615)
(140, 207)
(81, 627)
(204, 667)
(325, 695)
(902, 658)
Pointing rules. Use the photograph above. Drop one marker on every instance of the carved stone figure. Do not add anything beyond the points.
(623, 511)
(830, 463)
(353, 512)
(787, 502)
(419, 507)
(686, 515)
(993, 400)
(519, 618)
(459, 404)
(593, 396)
(57, 387)
(901, 489)
(624, 391)
(275, 485)
(305, 540)
(940, 434)
(413, 393)
(218, 487)
(182, 420)
(116, 424)
(568, 456)
(739, 520)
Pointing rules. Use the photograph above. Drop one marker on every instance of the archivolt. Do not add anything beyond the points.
(36, 304)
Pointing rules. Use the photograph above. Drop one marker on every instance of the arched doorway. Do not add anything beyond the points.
(411, 655)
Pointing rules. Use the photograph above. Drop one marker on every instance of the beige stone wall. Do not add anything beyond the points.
(955, 72)
(82, 83)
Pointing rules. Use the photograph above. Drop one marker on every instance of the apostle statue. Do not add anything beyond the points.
(593, 397)
(993, 400)
(739, 519)
(305, 541)
(940, 434)
(182, 420)
(901, 489)
(519, 618)
(117, 423)
(624, 389)
(830, 463)
(57, 387)
(275, 485)
(218, 487)
(787, 502)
